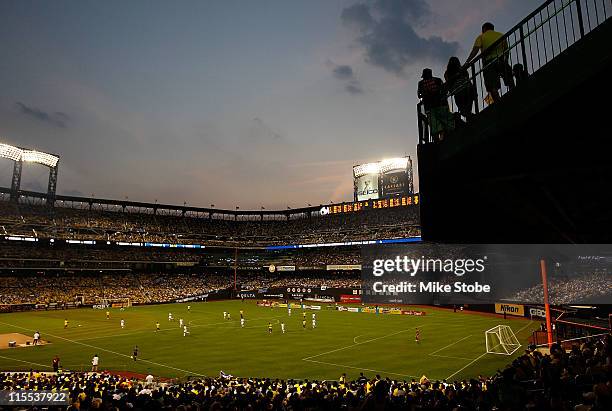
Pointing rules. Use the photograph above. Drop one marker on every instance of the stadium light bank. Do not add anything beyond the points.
(22, 155)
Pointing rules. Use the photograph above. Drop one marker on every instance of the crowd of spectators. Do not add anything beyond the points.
(594, 286)
(579, 379)
(143, 288)
(95, 288)
(133, 225)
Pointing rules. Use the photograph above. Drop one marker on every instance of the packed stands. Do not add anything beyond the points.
(145, 288)
(134, 226)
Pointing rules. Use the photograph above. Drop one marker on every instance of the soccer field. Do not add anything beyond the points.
(452, 344)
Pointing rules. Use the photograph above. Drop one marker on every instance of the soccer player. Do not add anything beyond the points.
(229, 316)
(314, 316)
(135, 353)
(289, 311)
(185, 331)
(283, 327)
(417, 335)
(269, 328)
(36, 338)
(122, 323)
(224, 315)
(56, 363)
(108, 315)
(180, 322)
(304, 314)
(241, 314)
(188, 308)
(156, 326)
(304, 324)
(94, 363)
(66, 323)
(242, 322)
(170, 317)
(314, 323)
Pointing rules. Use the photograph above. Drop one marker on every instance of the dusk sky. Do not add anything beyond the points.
(223, 102)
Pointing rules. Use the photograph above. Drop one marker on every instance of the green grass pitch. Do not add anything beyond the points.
(452, 344)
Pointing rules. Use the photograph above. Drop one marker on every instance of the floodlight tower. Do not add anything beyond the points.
(22, 155)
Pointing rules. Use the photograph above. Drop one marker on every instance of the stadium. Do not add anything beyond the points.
(120, 304)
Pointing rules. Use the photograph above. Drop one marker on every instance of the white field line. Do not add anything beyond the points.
(361, 368)
(109, 351)
(483, 354)
(450, 345)
(465, 366)
(356, 344)
(451, 356)
(27, 362)
(355, 338)
(177, 328)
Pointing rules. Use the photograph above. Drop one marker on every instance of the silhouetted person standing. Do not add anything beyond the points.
(431, 93)
(494, 59)
(459, 86)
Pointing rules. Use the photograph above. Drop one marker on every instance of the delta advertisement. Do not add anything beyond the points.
(302, 293)
(367, 187)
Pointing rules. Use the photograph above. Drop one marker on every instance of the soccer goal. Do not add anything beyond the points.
(501, 340)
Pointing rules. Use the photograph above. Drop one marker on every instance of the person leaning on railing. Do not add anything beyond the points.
(458, 86)
(494, 55)
(432, 93)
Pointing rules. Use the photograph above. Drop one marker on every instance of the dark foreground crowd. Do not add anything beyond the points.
(579, 379)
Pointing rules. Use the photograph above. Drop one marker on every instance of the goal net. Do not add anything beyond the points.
(501, 340)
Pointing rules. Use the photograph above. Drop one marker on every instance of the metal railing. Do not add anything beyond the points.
(532, 43)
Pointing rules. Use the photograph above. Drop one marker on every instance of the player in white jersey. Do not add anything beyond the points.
(283, 327)
(185, 331)
(314, 316)
(122, 323)
(225, 315)
(289, 311)
(314, 323)
(181, 322)
(242, 322)
(188, 308)
(170, 317)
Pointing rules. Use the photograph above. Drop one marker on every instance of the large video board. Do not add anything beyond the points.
(383, 179)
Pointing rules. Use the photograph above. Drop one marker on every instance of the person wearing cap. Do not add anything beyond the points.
(432, 95)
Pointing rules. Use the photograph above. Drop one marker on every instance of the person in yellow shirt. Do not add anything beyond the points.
(494, 54)
(66, 323)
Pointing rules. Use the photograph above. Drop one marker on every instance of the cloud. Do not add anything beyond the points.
(346, 74)
(261, 129)
(387, 36)
(57, 119)
(343, 72)
(353, 87)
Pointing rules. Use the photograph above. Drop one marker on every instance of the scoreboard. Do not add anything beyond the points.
(357, 206)
(382, 179)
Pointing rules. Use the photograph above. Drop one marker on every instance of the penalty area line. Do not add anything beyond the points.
(27, 362)
(356, 344)
(450, 345)
(483, 354)
(361, 368)
(109, 351)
